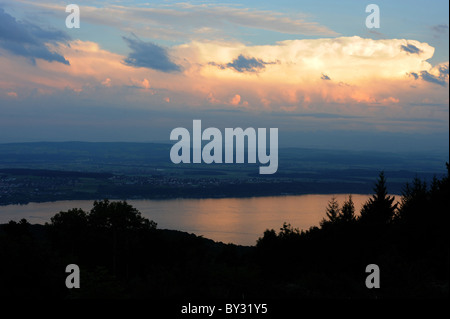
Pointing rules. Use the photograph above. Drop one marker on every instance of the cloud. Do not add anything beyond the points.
(149, 55)
(29, 40)
(436, 75)
(411, 49)
(440, 29)
(187, 20)
(263, 20)
(376, 33)
(351, 60)
(432, 79)
(369, 78)
(327, 116)
(106, 82)
(11, 94)
(243, 64)
(414, 75)
(235, 100)
(443, 69)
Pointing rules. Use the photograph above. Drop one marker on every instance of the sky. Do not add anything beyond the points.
(135, 70)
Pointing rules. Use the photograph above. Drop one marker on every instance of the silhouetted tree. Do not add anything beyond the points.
(332, 212)
(18, 229)
(118, 216)
(122, 224)
(287, 231)
(347, 213)
(267, 245)
(440, 199)
(71, 220)
(268, 239)
(110, 234)
(414, 202)
(125, 256)
(69, 230)
(380, 208)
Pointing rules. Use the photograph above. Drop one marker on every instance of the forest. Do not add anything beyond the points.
(122, 255)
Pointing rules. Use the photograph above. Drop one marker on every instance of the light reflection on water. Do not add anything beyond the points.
(230, 220)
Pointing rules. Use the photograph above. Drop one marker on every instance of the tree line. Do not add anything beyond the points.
(122, 254)
(408, 239)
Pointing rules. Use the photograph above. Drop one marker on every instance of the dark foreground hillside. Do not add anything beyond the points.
(121, 254)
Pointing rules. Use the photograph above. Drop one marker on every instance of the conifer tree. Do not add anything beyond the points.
(380, 208)
(332, 209)
(348, 210)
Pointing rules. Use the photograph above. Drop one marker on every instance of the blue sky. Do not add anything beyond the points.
(137, 69)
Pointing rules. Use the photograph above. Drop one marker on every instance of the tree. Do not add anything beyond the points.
(414, 202)
(332, 212)
(268, 240)
(69, 230)
(122, 224)
(72, 221)
(112, 231)
(287, 231)
(380, 208)
(118, 216)
(18, 229)
(347, 213)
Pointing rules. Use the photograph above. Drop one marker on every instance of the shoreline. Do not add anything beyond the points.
(188, 197)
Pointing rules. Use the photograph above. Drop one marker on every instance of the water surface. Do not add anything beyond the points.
(230, 220)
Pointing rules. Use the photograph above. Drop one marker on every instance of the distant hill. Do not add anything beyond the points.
(102, 156)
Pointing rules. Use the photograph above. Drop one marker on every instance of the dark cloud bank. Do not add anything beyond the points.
(149, 55)
(28, 40)
(411, 49)
(244, 64)
(426, 76)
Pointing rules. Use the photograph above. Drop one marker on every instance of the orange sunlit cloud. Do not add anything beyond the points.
(288, 76)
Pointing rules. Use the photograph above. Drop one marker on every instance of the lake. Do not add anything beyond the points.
(230, 220)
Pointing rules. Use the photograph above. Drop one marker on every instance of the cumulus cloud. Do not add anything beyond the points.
(351, 60)
(29, 40)
(369, 77)
(149, 55)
